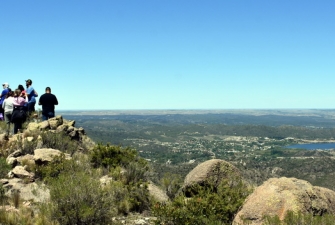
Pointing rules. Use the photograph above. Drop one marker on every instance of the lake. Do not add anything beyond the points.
(314, 146)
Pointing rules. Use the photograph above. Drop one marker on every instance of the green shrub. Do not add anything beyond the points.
(28, 147)
(134, 195)
(77, 196)
(129, 198)
(139, 197)
(111, 156)
(59, 141)
(211, 204)
(171, 183)
(23, 216)
(300, 219)
(22, 143)
(2, 195)
(136, 172)
(52, 170)
(4, 167)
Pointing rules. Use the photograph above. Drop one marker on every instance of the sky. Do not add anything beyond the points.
(172, 54)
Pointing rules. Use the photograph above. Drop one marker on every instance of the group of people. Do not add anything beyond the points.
(17, 105)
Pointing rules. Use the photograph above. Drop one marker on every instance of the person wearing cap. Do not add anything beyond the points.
(3, 96)
(48, 102)
(31, 93)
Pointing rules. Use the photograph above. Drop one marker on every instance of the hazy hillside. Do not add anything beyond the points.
(253, 140)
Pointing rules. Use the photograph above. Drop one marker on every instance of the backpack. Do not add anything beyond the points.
(19, 115)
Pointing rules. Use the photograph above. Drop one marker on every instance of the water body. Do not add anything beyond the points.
(314, 146)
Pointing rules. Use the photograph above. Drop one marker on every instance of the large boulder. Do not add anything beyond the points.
(46, 155)
(277, 196)
(55, 122)
(210, 172)
(32, 126)
(36, 192)
(21, 172)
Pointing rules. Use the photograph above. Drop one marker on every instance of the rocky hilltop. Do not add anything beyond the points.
(30, 150)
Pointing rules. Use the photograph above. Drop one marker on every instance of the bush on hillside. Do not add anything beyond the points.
(54, 168)
(76, 191)
(4, 167)
(22, 216)
(300, 219)
(76, 195)
(78, 198)
(171, 183)
(2, 195)
(211, 205)
(129, 171)
(59, 141)
(111, 156)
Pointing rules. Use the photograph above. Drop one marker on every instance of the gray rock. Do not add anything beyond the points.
(15, 154)
(28, 191)
(11, 161)
(277, 196)
(55, 122)
(62, 128)
(44, 125)
(32, 126)
(212, 171)
(20, 172)
(26, 159)
(46, 155)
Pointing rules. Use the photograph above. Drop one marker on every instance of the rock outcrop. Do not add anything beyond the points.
(21, 178)
(46, 155)
(277, 196)
(212, 171)
(29, 191)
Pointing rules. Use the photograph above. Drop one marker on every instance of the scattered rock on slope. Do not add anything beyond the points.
(277, 196)
(212, 171)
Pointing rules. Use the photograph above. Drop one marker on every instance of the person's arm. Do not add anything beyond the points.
(26, 97)
(35, 94)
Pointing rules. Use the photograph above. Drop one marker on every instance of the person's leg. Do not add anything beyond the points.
(31, 107)
(44, 117)
(51, 114)
(7, 120)
(20, 127)
(16, 127)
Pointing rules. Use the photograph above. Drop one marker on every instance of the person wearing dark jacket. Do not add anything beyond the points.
(48, 102)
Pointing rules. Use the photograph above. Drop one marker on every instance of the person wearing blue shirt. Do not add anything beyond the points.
(3, 96)
(31, 96)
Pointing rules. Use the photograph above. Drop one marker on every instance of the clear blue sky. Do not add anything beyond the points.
(173, 54)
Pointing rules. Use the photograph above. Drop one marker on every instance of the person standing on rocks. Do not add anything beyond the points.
(19, 115)
(48, 102)
(7, 105)
(3, 96)
(31, 96)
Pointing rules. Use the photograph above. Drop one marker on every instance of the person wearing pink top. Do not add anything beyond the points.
(19, 114)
